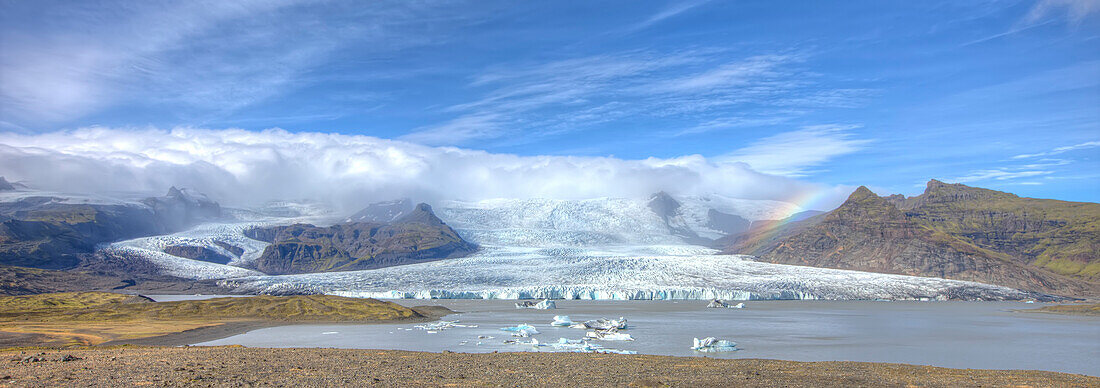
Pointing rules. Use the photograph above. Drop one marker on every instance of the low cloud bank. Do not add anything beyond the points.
(240, 167)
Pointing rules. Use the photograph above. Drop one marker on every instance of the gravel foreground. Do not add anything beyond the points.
(238, 366)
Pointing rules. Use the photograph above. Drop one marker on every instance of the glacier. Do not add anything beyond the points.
(602, 248)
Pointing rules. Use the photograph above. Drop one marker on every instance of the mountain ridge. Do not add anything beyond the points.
(950, 231)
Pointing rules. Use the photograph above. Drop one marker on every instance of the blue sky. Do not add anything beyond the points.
(888, 94)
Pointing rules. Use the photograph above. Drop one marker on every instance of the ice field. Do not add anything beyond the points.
(608, 248)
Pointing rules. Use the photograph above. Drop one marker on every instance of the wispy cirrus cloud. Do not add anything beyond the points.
(674, 9)
(1061, 150)
(69, 60)
(1000, 174)
(700, 86)
(1074, 11)
(795, 153)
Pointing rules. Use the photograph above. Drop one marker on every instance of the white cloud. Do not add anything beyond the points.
(794, 153)
(1060, 150)
(206, 56)
(1000, 174)
(1074, 10)
(677, 8)
(244, 167)
(542, 99)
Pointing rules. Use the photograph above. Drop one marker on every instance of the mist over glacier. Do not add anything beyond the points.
(248, 168)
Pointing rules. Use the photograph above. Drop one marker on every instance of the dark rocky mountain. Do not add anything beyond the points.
(181, 208)
(949, 231)
(50, 232)
(388, 211)
(418, 236)
(668, 208)
(194, 252)
(5, 185)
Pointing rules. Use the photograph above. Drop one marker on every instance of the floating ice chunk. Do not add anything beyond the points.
(523, 330)
(330, 332)
(615, 351)
(605, 324)
(485, 337)
(711, 344)
(561, 321)
(608, 335)
(545, 304)
(437, 326)
(718, 303)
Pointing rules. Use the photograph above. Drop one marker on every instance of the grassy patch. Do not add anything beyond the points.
(88, 318)
(1071, 309)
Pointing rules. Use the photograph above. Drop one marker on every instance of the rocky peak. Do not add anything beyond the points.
(865, 205)
(4, 185)
(183, 207)
(939, 192)
(862, 194)
(663, 204)
(387, 211)
(422, 213)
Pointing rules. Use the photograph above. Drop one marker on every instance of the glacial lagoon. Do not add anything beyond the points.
(987, 335)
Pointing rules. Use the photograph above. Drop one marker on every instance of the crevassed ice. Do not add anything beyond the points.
(527, 275)
(614, 249)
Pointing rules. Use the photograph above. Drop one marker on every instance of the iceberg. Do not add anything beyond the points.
(718, 304)
(523, 330)
(605, 324)
(582, 346)
(608, 335)
(711, 344)
(561, 321)
(544, 304)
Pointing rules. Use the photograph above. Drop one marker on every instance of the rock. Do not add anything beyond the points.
(416, 237)
(5, 185)
(197, 253)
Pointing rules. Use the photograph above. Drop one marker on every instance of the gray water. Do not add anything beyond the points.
(984, 335)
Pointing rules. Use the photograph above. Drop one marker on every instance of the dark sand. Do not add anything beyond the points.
(237, 366)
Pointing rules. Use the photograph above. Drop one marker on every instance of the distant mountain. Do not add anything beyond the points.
(950, 231)
(49, 231)
(388, 211)
(5, 185)
(302, 248)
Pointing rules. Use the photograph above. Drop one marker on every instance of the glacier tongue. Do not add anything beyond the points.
(606, 248)
(509, 274)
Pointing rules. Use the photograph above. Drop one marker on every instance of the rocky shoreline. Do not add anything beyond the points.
(238, 366)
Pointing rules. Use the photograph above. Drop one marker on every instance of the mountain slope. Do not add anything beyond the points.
(302, 248)
(46, 231)
(950, 231)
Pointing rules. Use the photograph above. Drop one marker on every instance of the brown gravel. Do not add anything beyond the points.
(238, 366)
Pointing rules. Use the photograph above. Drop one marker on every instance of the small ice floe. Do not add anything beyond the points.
(523, 330)
(721, 304)
(561, 321)
(1030, 301)
(330, 332)
(438, 326)
(608, 335)
(711, 344)
(484, 337)
(582, 346)
(602, 324)
(545, 304)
